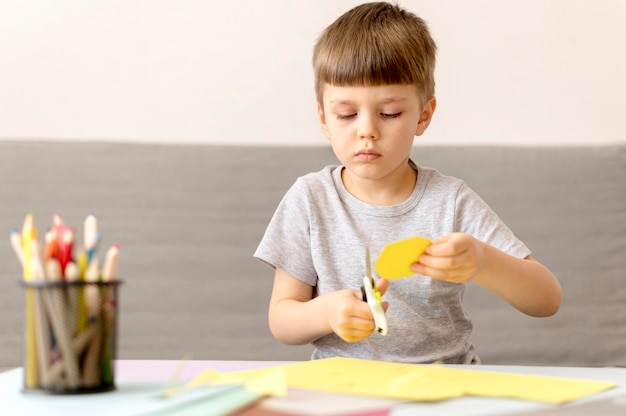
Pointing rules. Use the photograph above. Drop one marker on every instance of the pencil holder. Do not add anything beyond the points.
(70, 337)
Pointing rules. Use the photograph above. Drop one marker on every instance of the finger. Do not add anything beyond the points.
(356, 328)
(444, 249)
(448, 245)
(382, 286)
(362, 312)
(449, 275)
(438, 262)
(348, 306)
(354, 336)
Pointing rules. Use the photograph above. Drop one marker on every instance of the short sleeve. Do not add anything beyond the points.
(286, 243)
(473, 216)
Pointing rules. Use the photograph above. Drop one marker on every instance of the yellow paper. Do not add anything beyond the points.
(555, 390)
(268, 382)
(420, 382)
(396, 258)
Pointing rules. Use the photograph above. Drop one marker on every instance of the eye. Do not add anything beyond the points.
(392, 115)
(346, 116)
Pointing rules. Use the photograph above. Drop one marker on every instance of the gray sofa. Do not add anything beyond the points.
(188, 218)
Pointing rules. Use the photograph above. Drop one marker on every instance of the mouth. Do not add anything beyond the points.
(367, 155)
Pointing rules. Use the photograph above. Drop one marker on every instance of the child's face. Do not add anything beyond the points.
(371, 129)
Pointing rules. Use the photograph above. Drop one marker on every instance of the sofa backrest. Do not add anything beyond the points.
(188, 218)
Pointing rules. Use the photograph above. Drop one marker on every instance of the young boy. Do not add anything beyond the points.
(374, 78)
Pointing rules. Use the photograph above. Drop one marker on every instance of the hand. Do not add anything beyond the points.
(455, 258)
(349, 316)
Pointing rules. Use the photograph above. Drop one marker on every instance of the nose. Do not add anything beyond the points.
(367, 128)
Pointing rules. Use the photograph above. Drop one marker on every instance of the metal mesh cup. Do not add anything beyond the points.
(70, 337)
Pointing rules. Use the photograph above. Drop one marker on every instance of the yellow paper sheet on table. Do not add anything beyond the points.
(420, 382)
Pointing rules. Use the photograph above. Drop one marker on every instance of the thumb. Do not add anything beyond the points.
(382, 286)
(439, 247)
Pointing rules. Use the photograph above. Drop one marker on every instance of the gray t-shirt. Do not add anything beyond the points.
(319, 234)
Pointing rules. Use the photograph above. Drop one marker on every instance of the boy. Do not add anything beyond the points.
(374, 79)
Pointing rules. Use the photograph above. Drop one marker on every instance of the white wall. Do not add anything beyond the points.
(509, 71)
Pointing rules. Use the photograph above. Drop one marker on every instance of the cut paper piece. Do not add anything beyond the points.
(272, 382)
(396, 258)
(424, 383)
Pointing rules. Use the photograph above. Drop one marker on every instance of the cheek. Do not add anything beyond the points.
(337, 129)
(404, 130)
(411, 127)
(342, 150)
(341, 143)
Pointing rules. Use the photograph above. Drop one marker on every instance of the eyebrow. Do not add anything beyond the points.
(385, 101)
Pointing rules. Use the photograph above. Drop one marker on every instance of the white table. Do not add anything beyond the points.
(139, 383)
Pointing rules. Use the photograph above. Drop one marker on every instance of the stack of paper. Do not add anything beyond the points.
(417, 382)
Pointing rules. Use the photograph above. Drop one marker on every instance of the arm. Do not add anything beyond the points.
(297, 318)
(525, 284)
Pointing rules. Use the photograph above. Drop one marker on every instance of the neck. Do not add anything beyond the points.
(393, 189)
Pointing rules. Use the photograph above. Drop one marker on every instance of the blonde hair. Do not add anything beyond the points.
(376, 44)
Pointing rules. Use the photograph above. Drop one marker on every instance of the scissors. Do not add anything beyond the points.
(372, 296)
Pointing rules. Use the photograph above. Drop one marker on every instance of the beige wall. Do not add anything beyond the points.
(510, 71)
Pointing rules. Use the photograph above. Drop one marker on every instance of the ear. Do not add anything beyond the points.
(426, 116)
(322, 118)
